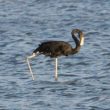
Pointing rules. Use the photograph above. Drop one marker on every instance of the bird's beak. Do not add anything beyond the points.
(32, 56)
(82, 41)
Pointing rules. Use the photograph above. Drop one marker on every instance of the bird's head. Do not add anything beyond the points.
(79, 35)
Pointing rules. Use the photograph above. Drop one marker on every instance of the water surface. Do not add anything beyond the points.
(84, 79)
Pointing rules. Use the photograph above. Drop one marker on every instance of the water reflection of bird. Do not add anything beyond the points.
(54, 49)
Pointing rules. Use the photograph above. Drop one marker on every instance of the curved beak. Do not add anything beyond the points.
(81, 41)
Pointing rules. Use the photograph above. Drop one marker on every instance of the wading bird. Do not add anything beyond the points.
(54, 49)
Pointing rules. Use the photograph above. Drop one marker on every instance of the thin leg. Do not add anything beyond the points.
(32, 56)
(30, 69)
(56, 68)
(29, 57)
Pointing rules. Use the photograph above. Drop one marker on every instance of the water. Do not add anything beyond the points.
(84, 79)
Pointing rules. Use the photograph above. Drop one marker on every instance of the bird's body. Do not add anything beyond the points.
(55, 48)
(60, 48)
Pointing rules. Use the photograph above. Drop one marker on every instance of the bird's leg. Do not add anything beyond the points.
(56, 68)
(32, 56)
(29, 57)
(30, 69)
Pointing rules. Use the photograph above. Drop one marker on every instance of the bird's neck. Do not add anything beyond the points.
(75, 50)
(78, 35)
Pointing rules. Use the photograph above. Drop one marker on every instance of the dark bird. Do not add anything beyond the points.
(54, 49)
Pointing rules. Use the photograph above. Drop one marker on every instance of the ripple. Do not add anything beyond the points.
(83, 82)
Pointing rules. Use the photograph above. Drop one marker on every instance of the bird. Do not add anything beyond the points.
(55, 49)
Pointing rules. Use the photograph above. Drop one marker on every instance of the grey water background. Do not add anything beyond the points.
(84, 79)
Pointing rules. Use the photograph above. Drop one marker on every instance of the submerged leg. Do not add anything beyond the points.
(29, 57)
(56, 68)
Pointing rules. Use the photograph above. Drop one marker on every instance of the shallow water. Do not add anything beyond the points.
(83, 83)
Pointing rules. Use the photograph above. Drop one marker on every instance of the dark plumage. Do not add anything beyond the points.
(54, 48)
(59, 48)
